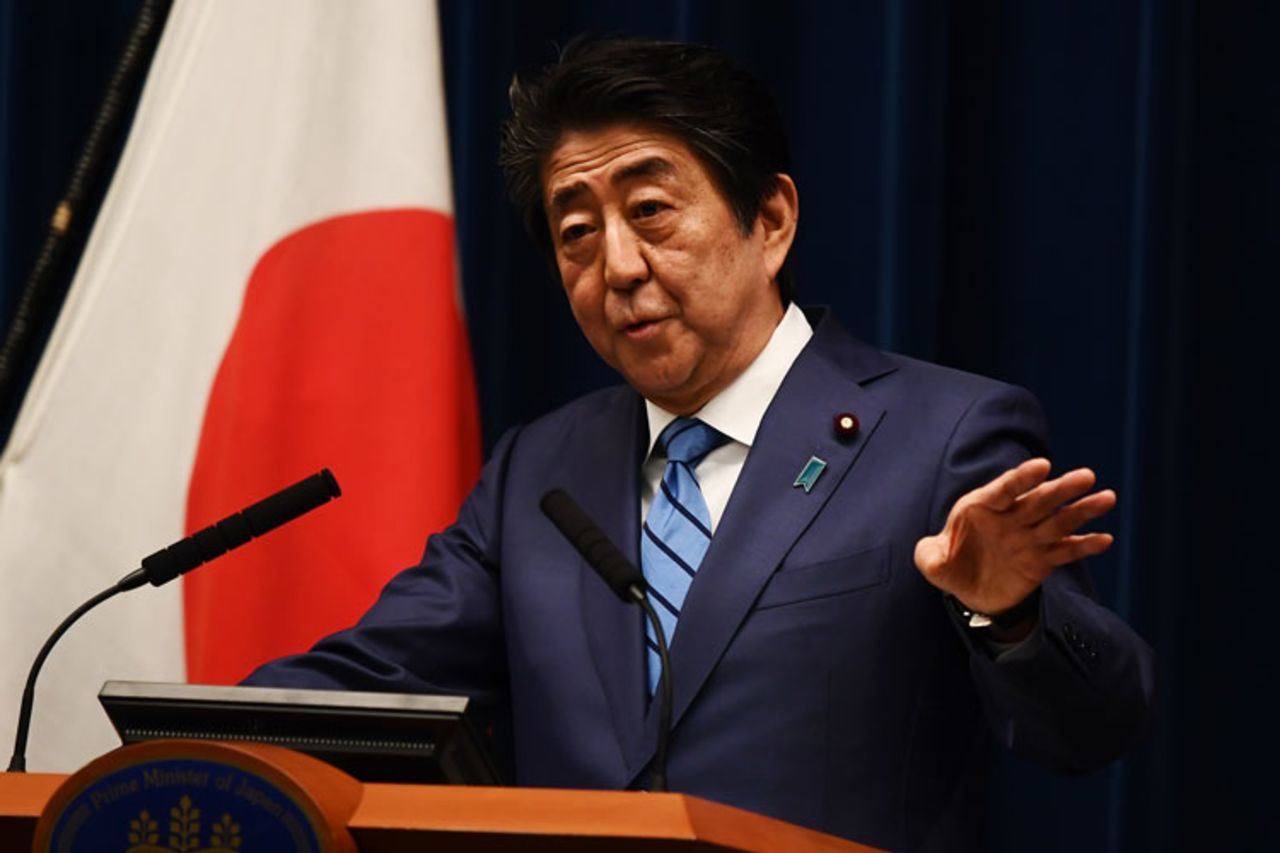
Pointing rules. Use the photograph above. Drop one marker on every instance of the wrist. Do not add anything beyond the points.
(1006, 626)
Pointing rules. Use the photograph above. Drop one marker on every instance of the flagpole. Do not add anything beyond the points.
(68, 227)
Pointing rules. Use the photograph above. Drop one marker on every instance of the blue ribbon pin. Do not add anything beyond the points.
(809, 474)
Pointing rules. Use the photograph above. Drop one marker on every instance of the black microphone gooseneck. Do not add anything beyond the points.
(180, 558)
(629, 584)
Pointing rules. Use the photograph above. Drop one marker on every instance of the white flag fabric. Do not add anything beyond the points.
(268, 289)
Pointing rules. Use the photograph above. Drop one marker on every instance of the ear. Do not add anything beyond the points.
(777, 217)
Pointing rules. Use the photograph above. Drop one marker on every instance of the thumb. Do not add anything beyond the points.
(931, 555)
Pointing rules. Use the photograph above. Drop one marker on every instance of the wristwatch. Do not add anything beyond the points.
(1010, 618)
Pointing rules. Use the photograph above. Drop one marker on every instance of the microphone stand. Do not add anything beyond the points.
(628, 583)
(658, 781)
(18, 762)
(178, 559)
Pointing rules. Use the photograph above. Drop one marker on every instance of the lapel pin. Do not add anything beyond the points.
(809, 474)
(846, 424)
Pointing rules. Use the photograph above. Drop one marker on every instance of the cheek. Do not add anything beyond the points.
(586, 302)
(586, 311)
(710, 286)
(575, 280)
(711, 259)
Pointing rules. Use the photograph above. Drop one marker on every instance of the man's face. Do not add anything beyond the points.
(658, 272)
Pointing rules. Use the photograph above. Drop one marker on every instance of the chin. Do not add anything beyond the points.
(658, 378)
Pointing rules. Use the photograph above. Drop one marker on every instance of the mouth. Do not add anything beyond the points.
(643, 328)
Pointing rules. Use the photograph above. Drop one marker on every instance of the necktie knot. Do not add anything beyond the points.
(688, 440)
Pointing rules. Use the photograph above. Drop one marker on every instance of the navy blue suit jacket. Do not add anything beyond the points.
(817, 677)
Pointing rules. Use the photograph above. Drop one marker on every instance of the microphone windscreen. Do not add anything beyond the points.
(591, 542)
(235, 530)
(287, 504)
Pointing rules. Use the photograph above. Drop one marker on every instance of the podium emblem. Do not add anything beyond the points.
(183, 832)
(188, 797)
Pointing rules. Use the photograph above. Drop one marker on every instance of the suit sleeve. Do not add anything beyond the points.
(1078, 692)
(436, 627)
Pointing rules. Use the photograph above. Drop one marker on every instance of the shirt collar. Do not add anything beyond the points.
(738, 409)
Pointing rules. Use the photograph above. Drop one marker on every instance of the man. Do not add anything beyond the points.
(862, 556)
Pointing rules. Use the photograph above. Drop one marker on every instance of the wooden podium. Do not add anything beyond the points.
(349, 816)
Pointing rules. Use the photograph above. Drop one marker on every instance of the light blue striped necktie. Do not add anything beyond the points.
(677, 531)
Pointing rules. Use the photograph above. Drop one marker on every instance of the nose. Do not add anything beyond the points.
(625, 265)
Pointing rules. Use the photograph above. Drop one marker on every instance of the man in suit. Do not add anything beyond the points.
(863, 557)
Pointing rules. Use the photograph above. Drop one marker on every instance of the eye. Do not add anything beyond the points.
(574, 233)
(646, 209)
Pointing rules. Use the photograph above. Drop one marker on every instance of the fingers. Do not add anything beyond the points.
(1045, 499)
(1069, 519)
(1018, 525)
(1077, 547)
(1003, 492)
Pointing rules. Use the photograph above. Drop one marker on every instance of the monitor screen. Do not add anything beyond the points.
(376, 737)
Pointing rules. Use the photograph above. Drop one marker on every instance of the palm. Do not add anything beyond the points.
(1003, 539)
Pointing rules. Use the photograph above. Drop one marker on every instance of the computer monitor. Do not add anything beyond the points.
(376, 737)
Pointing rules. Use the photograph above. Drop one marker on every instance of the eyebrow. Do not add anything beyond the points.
(647, 168)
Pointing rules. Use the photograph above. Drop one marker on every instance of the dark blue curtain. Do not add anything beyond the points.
(1082, 198)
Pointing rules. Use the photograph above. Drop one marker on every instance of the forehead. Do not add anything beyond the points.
(596, 158)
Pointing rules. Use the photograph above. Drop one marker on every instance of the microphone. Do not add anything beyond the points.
(603, 556)
(628, 583)
(236, 529)
(179, 558)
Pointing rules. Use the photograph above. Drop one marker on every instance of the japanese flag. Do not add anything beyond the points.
(269, 289)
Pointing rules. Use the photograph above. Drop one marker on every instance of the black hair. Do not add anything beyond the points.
(724, 115)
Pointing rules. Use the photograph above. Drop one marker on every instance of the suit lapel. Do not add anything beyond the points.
(602, 474)
(766, 513)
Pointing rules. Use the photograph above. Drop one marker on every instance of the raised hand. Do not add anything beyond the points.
(1003, 539)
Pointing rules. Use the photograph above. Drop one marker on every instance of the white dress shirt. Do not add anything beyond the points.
(736, 411)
